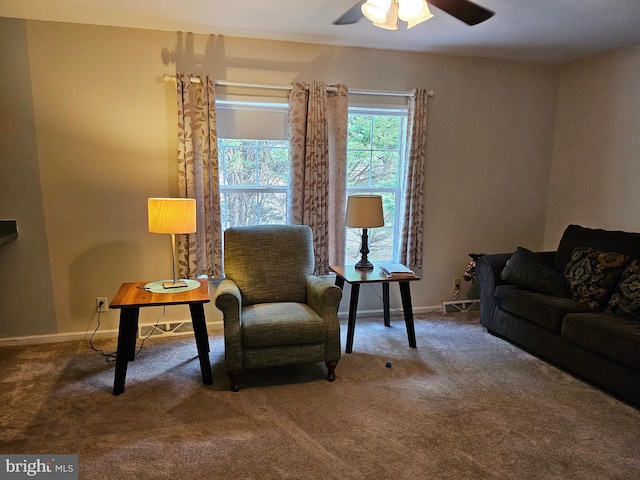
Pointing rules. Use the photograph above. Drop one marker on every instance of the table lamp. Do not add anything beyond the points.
(172, 216)
(364, 211)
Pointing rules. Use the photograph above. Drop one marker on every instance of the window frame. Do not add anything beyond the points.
(400, 111)
(397, 111)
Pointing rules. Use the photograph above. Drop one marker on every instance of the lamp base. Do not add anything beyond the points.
(364, 265)
(174, 284)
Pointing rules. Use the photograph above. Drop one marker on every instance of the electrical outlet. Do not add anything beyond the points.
(456, 283)
(102, 304)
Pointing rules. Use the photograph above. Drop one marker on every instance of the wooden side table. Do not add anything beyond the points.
(355, 277)
(133, 296)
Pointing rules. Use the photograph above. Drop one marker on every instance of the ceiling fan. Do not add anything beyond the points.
(464, 10)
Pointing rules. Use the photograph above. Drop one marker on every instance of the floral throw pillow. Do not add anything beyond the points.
(593, 274)
(625, 300)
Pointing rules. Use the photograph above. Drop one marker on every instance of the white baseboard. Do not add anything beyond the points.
(211, 327)
(394, 312)
(73, 336)
(54, 338)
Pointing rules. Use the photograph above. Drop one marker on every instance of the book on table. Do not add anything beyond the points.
(397, 270)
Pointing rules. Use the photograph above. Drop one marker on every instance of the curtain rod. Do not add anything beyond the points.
(228, 83)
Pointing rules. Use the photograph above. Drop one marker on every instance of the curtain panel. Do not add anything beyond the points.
(318, 157)
(412, 224)
(199, 253)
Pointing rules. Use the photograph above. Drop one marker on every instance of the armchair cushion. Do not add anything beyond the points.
(297, 324)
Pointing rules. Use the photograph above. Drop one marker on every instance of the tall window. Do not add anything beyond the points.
(254, 172)
(375, 151)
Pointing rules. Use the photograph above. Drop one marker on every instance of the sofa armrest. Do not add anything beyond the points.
(228, 300)
(488, 269)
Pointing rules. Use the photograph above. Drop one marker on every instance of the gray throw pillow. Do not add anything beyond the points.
(526, 269)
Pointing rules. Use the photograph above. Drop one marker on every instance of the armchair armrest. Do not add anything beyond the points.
(324, 298)
(228, 300)
(323, 295)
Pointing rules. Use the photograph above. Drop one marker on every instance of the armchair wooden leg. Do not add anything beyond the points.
(331, 367)
(235, 380)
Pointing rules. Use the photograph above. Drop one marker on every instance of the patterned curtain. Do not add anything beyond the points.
(412, 225)
(318, 157)
(199, 253)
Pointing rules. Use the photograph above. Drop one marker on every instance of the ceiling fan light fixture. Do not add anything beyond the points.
(408, 9)
(423, 14)
(391, 20)
(376, 10)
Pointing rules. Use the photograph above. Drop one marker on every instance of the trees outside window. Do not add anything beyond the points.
(254, 175)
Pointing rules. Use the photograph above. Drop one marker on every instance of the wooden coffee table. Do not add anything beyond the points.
(355, 277)
(133, 296)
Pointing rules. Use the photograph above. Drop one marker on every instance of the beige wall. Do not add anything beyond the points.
(26, 294)
(595, 178)
(105, 124)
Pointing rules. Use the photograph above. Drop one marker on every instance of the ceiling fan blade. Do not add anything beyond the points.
(463, 10)
(350, 16)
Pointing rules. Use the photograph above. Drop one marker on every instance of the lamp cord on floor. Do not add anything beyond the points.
(153, 329)
(111, 357)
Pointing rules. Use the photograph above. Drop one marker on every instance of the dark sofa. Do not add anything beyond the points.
(577, 307)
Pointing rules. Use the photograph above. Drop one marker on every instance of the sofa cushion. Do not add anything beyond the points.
(611, 336)
(545, 310)
(593, 274)
(625, 300)
(529, 270)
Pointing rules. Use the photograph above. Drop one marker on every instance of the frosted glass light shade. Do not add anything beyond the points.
(385, 13)
(422, 16)
(391, 21)
(364, 211)
(409, 9)
(172, 215)
(376, 10)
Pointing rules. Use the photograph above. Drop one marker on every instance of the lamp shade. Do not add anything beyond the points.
(172, 215)
(364, 211)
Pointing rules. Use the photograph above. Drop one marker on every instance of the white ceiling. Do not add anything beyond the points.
(527, 30)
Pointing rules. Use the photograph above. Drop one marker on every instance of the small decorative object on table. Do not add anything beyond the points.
(397, 270)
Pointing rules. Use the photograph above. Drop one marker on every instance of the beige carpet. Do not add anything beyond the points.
(463, 405)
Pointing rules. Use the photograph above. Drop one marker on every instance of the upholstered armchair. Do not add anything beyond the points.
(275, 311)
